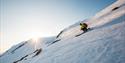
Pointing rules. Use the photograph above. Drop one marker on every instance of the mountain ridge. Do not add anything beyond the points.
(103, 44)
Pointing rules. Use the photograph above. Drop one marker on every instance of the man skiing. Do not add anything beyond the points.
(83, 27)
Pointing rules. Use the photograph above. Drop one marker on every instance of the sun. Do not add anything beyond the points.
(35, 39)
(35, 36)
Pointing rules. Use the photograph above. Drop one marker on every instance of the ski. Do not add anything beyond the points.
(79, 34)
(89, 29)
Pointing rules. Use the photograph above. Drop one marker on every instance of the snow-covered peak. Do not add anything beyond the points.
(104, 43)
(110, 8)
(104, 17)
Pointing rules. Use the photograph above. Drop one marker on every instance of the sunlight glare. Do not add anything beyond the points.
(35, 36)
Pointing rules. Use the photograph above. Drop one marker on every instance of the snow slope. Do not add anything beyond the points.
(104, 44)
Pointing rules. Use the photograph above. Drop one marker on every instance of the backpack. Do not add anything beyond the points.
(85, 25)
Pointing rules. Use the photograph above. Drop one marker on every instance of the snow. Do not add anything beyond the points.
(104, 44)
(109, 9)
(108, 17)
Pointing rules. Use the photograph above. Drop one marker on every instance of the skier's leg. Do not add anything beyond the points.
(85, 30)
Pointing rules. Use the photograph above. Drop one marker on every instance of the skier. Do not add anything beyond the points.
(83, 27)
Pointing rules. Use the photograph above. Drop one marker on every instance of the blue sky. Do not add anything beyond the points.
(24, 19)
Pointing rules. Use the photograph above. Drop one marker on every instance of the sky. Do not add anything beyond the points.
(21, 20)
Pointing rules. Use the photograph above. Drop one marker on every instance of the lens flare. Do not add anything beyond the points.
(35, 36)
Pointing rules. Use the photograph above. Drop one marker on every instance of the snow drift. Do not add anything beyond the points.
(105, 43)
